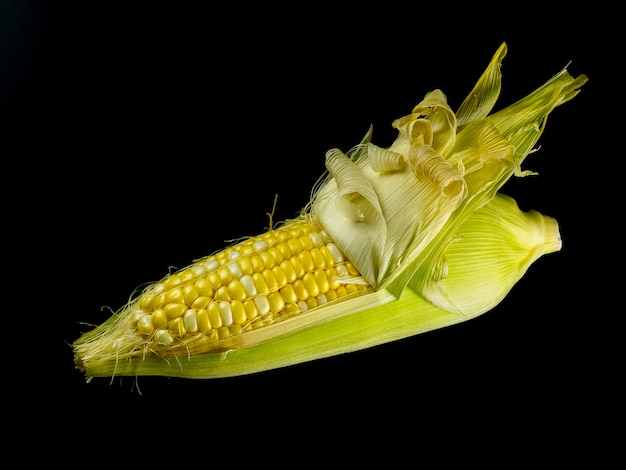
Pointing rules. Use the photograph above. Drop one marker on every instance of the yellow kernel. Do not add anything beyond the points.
(289, 294)
(234, 330)
(259, 282)
(190, 293)
(177, 327)
(281, 280)
(300, 290)
(275, 254)
(351, 269)
(144, 324)
(297, 266)
(257, 263)
(236, 290)
(270, 279)
(284, 250)
(174, 310)
(224, 274)
(222, 293)
(295, 247)
(328, 257)
(223, 333)
(190, 318)
(287, 269)
(310, 285)
(201, 302)
(158, 301)
(276, 302)
(331, 295)
(214, 280)
(238, 312)
(306, 260)
(250, 307)
(350, 288)
(158, 318)
(203, 320)
(175, 296)
(318, 258)
(186, 276)
(245, 265)
(306, 242)
(204, 287)
(321, 280)
(311, 302)
(145, 302)
(341, 290)
(268, 260)
(213, 311)
(172, 281)
(331, 275)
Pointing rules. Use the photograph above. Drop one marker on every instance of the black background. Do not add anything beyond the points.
(139, 136)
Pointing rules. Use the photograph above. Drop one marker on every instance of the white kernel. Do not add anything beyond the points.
(164, 338)
(137, 314)
(262, 304)
(234, 255)
(317, 239)
(191, 320)
(158, 288)
(335, 252)
(248, 285)
(303, 306)
(321, 299)
(198, 270)
(226, 312)
(234, 269)
(260, 245)
(211, 264)
(342, 270)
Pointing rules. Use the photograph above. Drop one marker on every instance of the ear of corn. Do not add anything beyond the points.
(395, 241)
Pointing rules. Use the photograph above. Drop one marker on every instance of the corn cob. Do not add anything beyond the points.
(394, 242)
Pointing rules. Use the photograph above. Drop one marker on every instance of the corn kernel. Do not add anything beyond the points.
(270, 279)
(213, 311)
(306, 260)
(250, 308)
(245, 265)
(226, 312)
(164, 338)
(295, 247)
(200, 302)
(268, 260)
(316, 239)
(257, 263)
(177, 327)
(144, 325)
(306, 242)
(190, 293)
(190, 318)
(236, 290)
(259, 282)
(290, 274)
(289, 294)
(321, 280)
(300, 290)
(284, 250)
(222, 293)
(145, 302)
(310, 285)
(174, 310)
(297, 266)
(203, 320)
(238, 312)
(276, 302)
(159, 320)
(279, 275)
(262, 304)
(224, 274)
(204, 287)
(276, 255)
